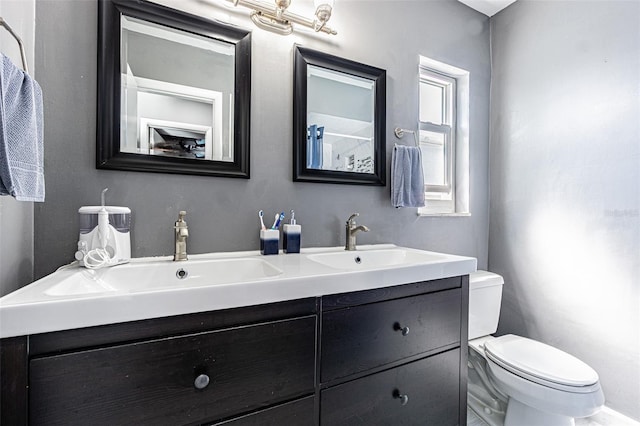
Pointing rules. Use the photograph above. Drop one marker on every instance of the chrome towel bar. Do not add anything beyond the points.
(4, 23)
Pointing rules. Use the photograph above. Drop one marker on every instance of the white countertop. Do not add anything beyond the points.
(43, 307)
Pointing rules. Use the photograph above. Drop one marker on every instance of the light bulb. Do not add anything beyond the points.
(323, 11)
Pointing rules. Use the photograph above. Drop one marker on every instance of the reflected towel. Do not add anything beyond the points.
(21, 128)
(407, 179)
(314, 146)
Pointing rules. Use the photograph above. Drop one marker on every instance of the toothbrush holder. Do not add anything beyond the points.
(291, 238)
(269, 241)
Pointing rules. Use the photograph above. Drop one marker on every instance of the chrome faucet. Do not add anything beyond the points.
(181, 233)
(351, 230)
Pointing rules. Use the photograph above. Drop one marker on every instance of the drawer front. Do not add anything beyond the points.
(368, 336)
(343, 300)
(424, 392)
(155, 382)
(296, 413)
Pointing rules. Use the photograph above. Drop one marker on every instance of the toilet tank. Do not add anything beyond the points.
(485, 296)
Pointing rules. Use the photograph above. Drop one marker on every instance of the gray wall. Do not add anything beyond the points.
(16, 244)
(16, 217)
(173, 62)
(565, 182)
(222, 212)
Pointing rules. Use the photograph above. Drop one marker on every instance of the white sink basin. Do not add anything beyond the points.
(134, 277)
(85, 282)
(374, 259)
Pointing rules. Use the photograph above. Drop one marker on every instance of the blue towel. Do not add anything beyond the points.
(314, 146)
(407, 179)
(21, 128)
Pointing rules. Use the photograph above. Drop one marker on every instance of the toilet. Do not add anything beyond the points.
(515, 381)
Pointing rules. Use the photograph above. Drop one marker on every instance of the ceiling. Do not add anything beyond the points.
(488, 7)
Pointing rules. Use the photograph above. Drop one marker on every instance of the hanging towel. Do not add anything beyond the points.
(314, 146)
(21, 129)
(312, 135)
(407, 180)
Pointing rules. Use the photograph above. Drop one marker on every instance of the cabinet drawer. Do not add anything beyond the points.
(296, 413)
(154, 382)
(363, 337)
(431, 386)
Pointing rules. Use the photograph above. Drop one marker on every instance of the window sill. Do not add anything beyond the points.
(433, 214)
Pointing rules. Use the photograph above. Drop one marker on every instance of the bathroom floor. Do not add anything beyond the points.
(473, 420)
(603, 418)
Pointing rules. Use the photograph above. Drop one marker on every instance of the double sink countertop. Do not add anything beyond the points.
(152, 287)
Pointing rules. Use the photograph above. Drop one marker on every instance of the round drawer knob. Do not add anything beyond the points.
(201, 382)
(404, 399)
(404, 330)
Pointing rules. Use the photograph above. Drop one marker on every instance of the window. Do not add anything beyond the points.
(443, 138)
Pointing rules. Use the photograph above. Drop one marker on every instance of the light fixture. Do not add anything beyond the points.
(276, 18)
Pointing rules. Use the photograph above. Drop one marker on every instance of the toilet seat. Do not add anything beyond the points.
(542, 364)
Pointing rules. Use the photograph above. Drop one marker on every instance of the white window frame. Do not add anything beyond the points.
(452, 198)
(446, 128)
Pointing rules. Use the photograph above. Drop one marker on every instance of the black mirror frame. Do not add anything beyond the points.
(301, 173)
(108, 154)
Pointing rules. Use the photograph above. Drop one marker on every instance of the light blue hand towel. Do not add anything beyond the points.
(315, 146)
(21, 129)
(407, 179)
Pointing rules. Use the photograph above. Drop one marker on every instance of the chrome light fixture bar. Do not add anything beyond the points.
(276, 18)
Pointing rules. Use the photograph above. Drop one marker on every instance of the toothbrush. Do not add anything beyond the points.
(293, 218)
(278, 218)
(261, 213)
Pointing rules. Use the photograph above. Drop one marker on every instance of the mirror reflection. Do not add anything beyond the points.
(339, 109)
(340, 118)
(177, 92)
(174, 91)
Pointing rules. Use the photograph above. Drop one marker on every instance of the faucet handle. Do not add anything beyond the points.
(353, 216)
(180, 223)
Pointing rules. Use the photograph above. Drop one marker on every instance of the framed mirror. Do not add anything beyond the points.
(174, 91)
(339, 121)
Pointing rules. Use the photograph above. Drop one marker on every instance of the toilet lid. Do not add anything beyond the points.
(540, 362)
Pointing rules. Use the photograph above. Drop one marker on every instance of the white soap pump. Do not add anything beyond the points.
(104, 235)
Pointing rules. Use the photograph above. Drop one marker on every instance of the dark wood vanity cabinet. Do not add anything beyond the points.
(176, 380)
(390, 356)
(298, 412)
(395, 356)
(373, 335)
(203, 368)
(422, 392)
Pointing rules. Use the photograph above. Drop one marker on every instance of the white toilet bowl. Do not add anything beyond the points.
(541, 385)
(545, 385)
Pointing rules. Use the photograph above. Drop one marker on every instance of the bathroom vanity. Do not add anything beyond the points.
(373, 354)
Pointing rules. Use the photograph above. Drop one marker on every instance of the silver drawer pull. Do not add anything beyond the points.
(404, 399)
(398, 327)
(201, 382)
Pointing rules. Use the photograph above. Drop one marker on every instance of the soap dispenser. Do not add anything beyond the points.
(291, 235)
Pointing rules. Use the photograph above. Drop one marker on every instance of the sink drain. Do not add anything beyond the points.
(181, 274)
(358, 260)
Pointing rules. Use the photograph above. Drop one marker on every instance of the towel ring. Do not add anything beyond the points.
(4, 23)
(400, 133)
